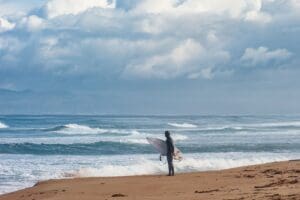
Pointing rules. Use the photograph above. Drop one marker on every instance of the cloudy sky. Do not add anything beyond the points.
(149, 57)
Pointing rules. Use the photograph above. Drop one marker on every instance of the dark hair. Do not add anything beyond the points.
(167, 133)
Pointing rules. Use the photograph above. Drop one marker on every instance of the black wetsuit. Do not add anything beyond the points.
(170, 152)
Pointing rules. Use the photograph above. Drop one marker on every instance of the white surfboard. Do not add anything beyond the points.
(161, 147)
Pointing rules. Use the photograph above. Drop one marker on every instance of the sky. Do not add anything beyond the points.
(144, 57)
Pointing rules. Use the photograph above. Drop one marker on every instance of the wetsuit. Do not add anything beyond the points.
(170, 152)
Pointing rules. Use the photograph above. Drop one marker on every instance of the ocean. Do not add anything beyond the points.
(35, 148)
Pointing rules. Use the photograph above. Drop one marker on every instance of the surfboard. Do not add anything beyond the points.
(161, 146)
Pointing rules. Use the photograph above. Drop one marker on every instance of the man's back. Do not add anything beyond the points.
(170, 146)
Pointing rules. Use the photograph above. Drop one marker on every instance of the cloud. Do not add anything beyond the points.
(5, 25)
(33, 22)
(149, 38)
(16, 8)
(188, 58)
(10, 48)
(124, 51)
(179, 60)
(256, 16)
(56, 8)
(240, 9)
(262, 55)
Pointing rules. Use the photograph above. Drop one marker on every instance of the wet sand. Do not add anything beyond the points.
(274, 181)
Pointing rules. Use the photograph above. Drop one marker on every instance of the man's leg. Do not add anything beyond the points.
(172, 167)
(170, 164)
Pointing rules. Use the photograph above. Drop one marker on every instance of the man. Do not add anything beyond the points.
(170, 152)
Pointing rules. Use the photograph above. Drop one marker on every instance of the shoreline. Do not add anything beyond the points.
(277, 180)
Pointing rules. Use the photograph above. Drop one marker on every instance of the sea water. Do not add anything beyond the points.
(35, 148)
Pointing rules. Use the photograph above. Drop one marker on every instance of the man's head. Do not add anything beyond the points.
(167, 133)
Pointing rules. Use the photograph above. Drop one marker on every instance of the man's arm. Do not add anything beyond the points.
(172, 147)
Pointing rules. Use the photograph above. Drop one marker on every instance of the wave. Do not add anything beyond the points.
(2, 125)
(143, 166)
(223, 128)
(278, 124)
(97, 148)
(127, 135)
(251, 127)
(142, 139)
(86, 139)
(52, 167)
(183, 125)
(137, 146)
(77, 129)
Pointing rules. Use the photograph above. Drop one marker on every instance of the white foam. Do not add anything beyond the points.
(126, 135)
(142, 138)
(178, 137)
(143, 167)
(77, 129)
(253, 126)
(2, 125)
(52, 140)
(134, 138)
(183, 125)
(191, 163)
(219, 128)
(14, 176)
(278, 124)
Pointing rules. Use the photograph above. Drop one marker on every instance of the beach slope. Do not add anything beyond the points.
(274, 181)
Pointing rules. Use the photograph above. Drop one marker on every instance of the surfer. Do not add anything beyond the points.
(170, 152)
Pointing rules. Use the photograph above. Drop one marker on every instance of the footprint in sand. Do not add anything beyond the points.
(206, 191)
(119, 195)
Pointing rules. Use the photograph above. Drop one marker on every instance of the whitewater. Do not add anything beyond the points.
(2, 125)
(35, 148)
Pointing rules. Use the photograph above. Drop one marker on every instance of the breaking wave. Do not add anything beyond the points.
(86, 139)
(250, 127)
(136, 147)
(145, 166)
(2, 125)
(40, 168)
(279, 124)
(183, 125)
(77, 129)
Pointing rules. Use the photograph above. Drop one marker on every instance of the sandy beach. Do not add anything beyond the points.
(274, 181)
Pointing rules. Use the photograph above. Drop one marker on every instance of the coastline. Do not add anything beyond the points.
(277, 180)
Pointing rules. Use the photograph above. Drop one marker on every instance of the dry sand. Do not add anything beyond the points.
(280, 180)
